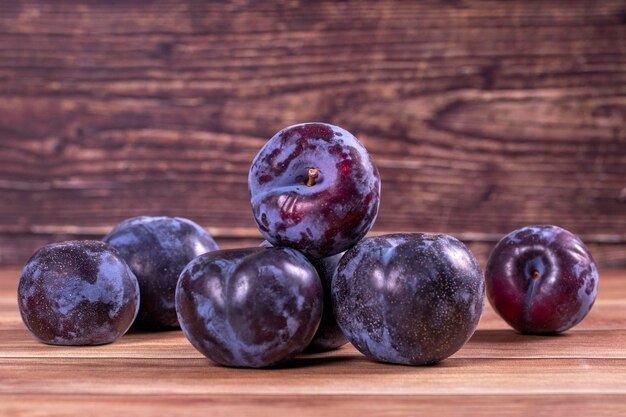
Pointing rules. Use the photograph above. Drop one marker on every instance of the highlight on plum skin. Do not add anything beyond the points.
(157, 248)
(251, 307)
(541, 279)
(408, 298)
(314, 187)
(77, 293)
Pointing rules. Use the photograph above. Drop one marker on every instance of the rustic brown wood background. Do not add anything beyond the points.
(481, 116)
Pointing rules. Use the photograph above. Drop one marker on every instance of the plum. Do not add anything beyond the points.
(328, 335)
(314, 187)
(157, 249)
(408, 298)
(541, 279)
(249, 307)
(77, 293)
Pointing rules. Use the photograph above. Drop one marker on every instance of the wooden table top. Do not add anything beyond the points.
(497, 372)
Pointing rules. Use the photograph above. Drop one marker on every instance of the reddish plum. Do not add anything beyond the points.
(541, 279)
(314, 188)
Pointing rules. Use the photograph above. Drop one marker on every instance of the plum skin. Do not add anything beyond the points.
(541, 279)
(77, 293)
(408, 298)
(251, 307)
(328, 335)
(157, 249)
(330, 214)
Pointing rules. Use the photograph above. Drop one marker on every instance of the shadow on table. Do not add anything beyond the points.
(510, 336)
(309, 361)
(354, 361)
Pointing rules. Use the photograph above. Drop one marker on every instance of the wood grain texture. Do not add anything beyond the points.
(316, 405)
(498, 372)
(482, 116)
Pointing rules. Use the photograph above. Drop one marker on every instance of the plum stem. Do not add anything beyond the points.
(313, 173)
(535, 274)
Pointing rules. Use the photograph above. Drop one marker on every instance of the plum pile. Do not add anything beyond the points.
(317, 281)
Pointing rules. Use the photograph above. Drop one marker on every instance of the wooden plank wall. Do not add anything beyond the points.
(481, 116)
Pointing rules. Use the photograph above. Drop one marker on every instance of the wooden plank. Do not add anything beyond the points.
(498, 371)
(482, 116)
(313, 405)
(325, 375)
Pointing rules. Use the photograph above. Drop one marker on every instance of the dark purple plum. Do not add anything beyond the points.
(328, 335)
(249, 307)
(408, 298)
(77, 293)
(157, 249)
(314, 188)
(541, 279)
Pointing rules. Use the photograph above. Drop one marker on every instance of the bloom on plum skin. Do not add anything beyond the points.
(77, 293)
(408, 298)
(250, 307)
